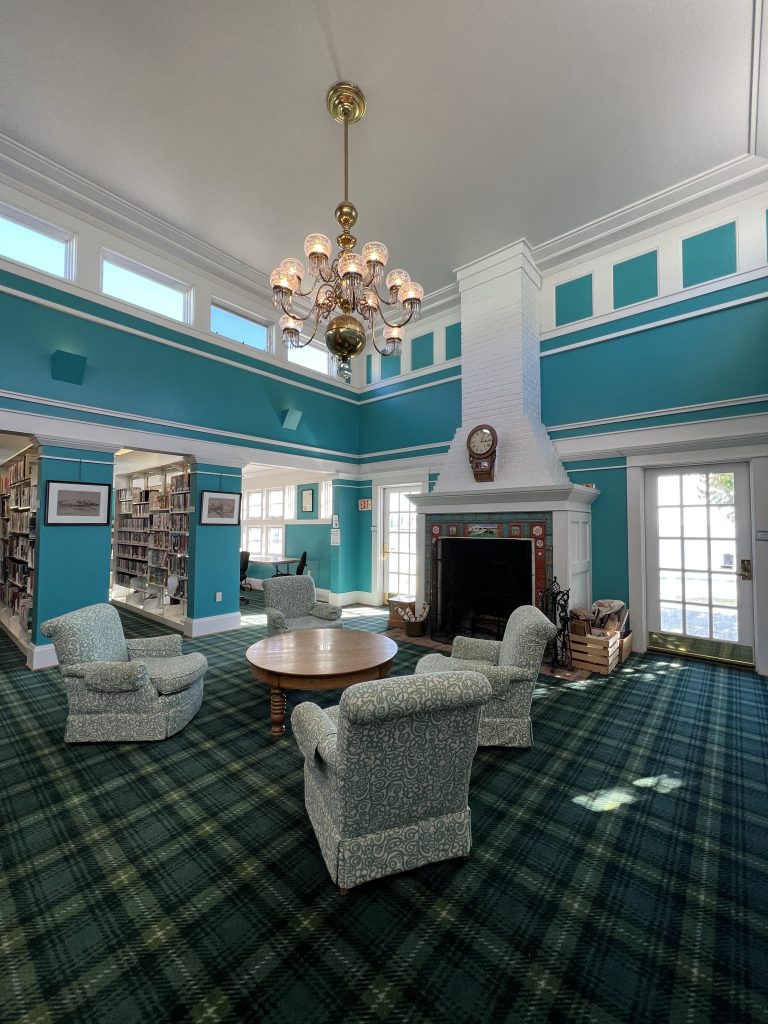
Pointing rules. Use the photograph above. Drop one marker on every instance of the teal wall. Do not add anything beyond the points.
(315, 539)
(635, 280)
(390, 367)
(610, 567)
(426, 417)
(72, 563)
(573, 300)
(423, 351)
(214, 550)
(351, 559)
(709, 255)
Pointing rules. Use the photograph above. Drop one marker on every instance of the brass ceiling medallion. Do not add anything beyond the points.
(350, 282)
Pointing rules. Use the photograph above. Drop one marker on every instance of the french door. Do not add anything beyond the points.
(698, 562)
(399, 551)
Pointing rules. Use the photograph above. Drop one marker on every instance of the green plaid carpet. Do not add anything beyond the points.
(618, 873)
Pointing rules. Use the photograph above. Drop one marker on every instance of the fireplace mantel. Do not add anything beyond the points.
(546, 498)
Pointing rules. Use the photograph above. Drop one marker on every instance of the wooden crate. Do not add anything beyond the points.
(626, 646)
(595, 653)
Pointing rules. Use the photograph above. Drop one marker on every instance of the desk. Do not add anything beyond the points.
(317, 659)
(274, 560)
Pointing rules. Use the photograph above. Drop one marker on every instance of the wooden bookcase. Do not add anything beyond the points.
(18, 531)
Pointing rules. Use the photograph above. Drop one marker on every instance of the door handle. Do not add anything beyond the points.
(745, 568)
(385, 551)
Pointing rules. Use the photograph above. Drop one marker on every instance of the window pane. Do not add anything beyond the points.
(254, 540)
(723, 554)
(696, 621)
(697, 587)
(694, 489)
(669, 554)
(239, 328)
(289, 497)
(669, 490)
(672, 618)
(695, 521)
(35, 248)
(275, 540)
(724, 589)
(254, 505)
(722, 521)
(725, 624)
(669, 522)
(326, 498)
(696, 554)
(671, 586)
(275, 503)
(143, 291)
(721, 488)
(311, 356)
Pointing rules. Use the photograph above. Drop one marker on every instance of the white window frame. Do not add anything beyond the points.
(326, 499)
(48, 230)
(142, 270)
(320, 347)
(267, 522)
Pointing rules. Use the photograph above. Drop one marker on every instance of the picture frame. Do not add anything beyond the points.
(69, 503)
(308, 500)
(220, 508)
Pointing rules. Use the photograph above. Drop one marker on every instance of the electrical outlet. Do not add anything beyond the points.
(218, 595)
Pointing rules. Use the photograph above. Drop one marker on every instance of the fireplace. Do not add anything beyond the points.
(477, 582)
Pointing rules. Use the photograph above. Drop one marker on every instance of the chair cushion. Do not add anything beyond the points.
(171, 675)
(311, 622)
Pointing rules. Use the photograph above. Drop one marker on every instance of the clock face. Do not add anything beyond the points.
(480, 441)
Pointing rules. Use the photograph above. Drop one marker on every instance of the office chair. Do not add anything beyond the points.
(244, 556)
(302, 564)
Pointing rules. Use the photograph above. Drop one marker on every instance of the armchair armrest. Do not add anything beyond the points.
(322, 610)
(315, 733)
(469, 648)
(166, 646)
(275, 617)
(110, 676)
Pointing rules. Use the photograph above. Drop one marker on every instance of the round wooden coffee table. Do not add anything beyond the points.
(317, 659)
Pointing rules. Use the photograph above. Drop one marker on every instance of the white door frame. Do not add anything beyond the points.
(400, 478)
(757, 458)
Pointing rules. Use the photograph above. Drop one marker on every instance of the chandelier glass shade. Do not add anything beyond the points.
(341, 295)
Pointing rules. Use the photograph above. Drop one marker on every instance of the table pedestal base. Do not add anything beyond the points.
(277, 711)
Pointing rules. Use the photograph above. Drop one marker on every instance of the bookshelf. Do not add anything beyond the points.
(151, 541)
(18, 532)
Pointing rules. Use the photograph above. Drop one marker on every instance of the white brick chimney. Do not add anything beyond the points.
(500, 374)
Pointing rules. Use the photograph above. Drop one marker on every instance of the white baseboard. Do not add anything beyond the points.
(212, 624)
(254, 583)
(355, 597)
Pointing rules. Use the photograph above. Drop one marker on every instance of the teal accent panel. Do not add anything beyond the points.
(610, 561)
(453, 341)
(709, 255)
(426, 417)
(315, 539)
(368, 369)
(573, 300)
(423, 351)
(351, 559)
(636, 279)
(696, 304)
(390, 367)
(314, 490)
(72, 563)
(710, 358)
(214, 562)
(140, 377)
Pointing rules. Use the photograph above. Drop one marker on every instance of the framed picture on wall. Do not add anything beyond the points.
(307, 501)
(72, 504)
(219, 508)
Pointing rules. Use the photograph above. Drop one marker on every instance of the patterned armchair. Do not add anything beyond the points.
(511, 666)
(122, 690)
(291, 604)
(386, 773)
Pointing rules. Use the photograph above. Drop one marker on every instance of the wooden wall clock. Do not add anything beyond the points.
(481, 445)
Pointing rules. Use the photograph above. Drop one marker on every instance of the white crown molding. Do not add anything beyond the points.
(23, 168)
(719, 185)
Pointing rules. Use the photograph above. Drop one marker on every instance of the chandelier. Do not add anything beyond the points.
(349, 284)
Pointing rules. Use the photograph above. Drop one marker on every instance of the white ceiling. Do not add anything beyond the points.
(488, 120)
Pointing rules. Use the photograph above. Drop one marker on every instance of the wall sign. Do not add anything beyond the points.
(364, 504)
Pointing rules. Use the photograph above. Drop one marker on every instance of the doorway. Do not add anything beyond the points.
(399, 554)
(698, 562)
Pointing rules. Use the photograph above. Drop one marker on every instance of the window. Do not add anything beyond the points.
(326, 501)
(132, 282)
(238, 327)
(314, 356)
(27, 240)
(266, 510)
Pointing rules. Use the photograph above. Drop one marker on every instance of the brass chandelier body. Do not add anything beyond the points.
(343, 293)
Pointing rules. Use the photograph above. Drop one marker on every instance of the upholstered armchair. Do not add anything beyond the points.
(291, 603)
(123, 690)
(511, 666)
(386, 772)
